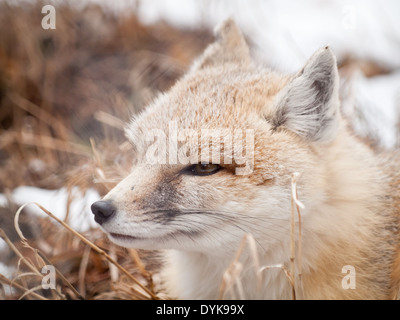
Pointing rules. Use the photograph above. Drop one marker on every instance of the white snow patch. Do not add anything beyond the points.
(377, 99)
(7, 271)
(80, 217)
(287, 32)
(56, 201)
(3, 200)
(3, 244)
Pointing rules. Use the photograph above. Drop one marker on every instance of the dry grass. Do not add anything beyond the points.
(65, 95)
(59, 88)
(35, 260)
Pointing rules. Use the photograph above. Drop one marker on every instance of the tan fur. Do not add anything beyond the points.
(351, 195)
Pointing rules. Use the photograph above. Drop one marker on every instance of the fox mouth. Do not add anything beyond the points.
(156, 232)
(124, 237)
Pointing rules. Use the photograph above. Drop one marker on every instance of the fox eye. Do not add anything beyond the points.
(204, 169)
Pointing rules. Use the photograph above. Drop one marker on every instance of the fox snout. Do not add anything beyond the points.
(103, 211)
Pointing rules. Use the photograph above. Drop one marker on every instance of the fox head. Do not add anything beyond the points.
(214, 155)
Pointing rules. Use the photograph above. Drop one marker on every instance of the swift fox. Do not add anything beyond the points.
(214, 157)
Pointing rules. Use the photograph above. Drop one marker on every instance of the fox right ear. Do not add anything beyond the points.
(309, 104)
(229, 47)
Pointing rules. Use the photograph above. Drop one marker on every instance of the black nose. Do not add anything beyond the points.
(103, 210)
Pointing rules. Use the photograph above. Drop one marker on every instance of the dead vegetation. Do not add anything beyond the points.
(65, 95)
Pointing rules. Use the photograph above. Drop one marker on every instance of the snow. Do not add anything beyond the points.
(80, 217)
(7, 271)
(378, 98)
(3, 200)
(56, 201)
(290, 31)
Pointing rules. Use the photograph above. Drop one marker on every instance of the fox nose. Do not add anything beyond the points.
(103, 210)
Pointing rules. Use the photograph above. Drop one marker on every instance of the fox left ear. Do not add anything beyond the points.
(229, 47)
(309, 104)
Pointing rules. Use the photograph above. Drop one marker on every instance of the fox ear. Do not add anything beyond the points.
(229, 47)
(309, 104)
